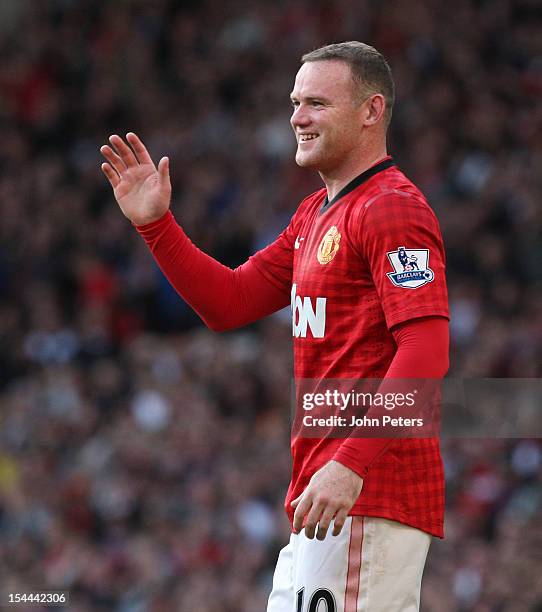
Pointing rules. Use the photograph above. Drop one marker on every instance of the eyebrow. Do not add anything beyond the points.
(310, 98)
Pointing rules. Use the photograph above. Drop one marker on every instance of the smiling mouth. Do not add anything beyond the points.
(307, 137)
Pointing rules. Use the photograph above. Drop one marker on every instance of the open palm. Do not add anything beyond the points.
(142, 191)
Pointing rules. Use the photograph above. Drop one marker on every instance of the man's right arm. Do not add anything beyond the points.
(224, 298)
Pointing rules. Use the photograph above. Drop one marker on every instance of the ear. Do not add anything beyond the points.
(375, 107)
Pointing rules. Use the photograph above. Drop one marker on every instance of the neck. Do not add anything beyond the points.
(337, 179)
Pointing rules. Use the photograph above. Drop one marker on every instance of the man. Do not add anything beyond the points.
(373, 504)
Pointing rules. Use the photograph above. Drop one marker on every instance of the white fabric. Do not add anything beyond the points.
(374, 565)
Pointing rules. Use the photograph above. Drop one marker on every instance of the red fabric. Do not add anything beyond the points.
(344, 308)
(422, 349)
(422, 352)
(222, 297)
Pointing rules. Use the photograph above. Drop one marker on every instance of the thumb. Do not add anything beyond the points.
(163, 171)
(296, 501)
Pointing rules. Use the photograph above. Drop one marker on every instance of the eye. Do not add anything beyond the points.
(294, 103)
(316, 103)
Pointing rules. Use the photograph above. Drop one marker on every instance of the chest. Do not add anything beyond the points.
(328, 254)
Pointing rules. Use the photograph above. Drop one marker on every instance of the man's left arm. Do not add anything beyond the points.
(422, 352)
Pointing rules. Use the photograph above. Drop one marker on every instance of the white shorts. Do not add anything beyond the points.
(374, 565)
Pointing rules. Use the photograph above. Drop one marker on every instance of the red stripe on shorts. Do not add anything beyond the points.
(354, 565)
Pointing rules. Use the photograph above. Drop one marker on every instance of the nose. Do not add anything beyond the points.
(300, 117)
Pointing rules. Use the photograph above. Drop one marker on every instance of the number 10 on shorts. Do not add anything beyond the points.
(319, 596)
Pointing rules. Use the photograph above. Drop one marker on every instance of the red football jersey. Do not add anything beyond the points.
(355, 267)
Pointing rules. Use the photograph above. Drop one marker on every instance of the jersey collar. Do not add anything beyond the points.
(359, 180)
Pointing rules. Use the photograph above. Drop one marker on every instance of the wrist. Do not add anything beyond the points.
(144, 223)
(346, 468)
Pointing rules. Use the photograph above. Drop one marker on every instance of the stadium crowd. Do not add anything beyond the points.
(143, 458)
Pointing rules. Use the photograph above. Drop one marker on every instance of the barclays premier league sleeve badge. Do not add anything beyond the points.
(411, 268)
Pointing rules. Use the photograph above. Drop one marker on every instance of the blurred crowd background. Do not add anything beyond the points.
(143, 458)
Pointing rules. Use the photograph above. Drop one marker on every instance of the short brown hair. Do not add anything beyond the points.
(370, 70)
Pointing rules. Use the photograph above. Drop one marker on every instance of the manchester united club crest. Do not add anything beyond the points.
(411, 267)
(329, 246)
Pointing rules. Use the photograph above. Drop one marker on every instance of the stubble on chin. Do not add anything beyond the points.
(304, 161)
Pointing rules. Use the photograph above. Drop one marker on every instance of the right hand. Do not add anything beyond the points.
(142, 191)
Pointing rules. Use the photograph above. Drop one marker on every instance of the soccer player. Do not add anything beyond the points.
(372, 503)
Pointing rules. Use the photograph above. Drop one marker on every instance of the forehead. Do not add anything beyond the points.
(326, 78)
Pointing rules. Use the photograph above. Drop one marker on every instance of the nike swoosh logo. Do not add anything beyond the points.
(297, 242)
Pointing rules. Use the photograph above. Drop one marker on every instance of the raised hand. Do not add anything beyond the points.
(142, 191)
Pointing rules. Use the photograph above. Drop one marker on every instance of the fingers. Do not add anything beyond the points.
(323, 523)
(139, 149)
(111, 175)
(114, 160)
(303, 506)
(312, 520)
(124, 151)
(339, 521)
(320, 514)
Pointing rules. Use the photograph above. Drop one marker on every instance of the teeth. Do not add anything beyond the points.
(305, 137)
